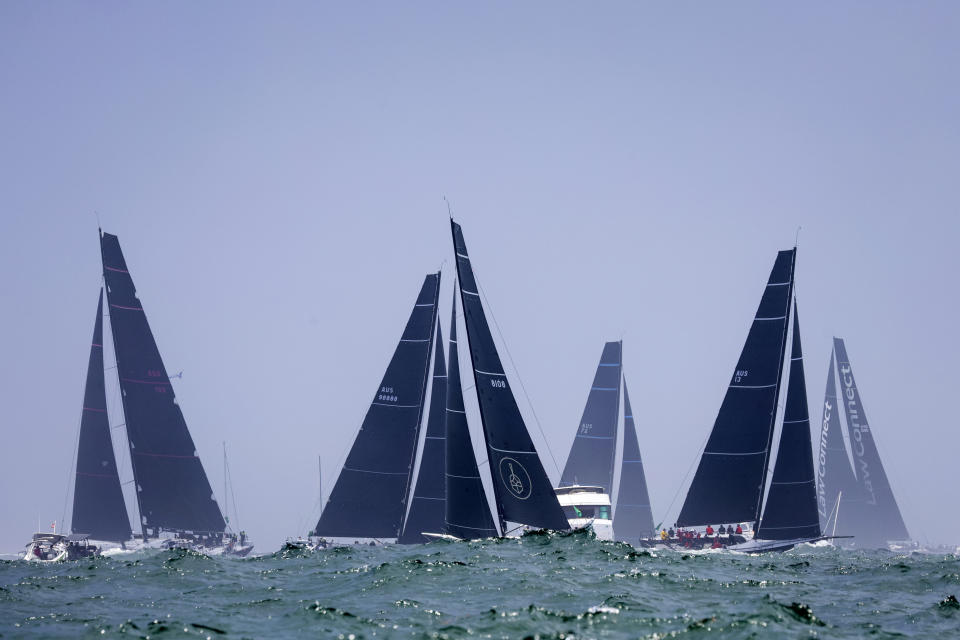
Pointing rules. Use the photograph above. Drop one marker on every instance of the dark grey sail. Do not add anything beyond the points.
(521, 487)
(882, 520)
(369, 499)
(592, 456)
(834, 475)
(98, 507)
(633, 517)
(467, 511)
(172, 489)
(728, 484)
(791, 507)
(428, 505)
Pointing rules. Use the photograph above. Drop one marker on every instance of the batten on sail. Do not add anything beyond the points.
(467, 514)
(370, 496)
(522, 489)
(172, 489)
(428, 504)
(728, 483)
(591, 458)
(633, 517)
(98, 507)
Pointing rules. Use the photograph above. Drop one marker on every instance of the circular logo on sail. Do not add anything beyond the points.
(515, 478)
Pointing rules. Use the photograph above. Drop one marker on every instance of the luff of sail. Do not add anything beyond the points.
(882, 521)
(633, 517)
(98, 506)
(522, 489)
(467, 511)
(173, 492)
(592, 455)
(835, 480)
(791, 506)
(728, 484)
(369, 499)
(427, 506)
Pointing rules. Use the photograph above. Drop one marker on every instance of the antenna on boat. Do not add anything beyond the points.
(449, 210)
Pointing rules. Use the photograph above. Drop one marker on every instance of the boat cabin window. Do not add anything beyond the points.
(587, 511)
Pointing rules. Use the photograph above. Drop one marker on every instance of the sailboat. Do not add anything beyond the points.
(370, 497)
(730, 481)
(586, 485)
(523, 493)
(855, 501)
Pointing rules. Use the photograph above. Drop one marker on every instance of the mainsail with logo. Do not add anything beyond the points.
(98, 507)
(369, 499)
(428, 504)
(839, 500)
(882, 521)
(468, 514)
(522, 489)
(172, 489)
(791, 505)
(633, 517)
(729, 481)
(591, 458)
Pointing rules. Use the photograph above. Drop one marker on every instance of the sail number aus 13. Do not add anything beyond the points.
(739, 375)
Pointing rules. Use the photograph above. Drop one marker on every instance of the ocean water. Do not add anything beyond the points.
(538, 586)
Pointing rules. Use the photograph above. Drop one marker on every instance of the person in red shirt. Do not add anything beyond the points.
(739, 530)
(709, 530)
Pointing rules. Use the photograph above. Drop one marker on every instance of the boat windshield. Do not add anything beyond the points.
(601, 512)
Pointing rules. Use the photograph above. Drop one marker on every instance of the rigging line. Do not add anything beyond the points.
(683, 482)
(516, 371)
(72, 469)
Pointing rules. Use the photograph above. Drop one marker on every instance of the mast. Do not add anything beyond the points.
(791, 505)
(594, 447)
(173, 492)
(634, 516)
(524, 493)
(467, 514)
(98, 507)
(729, 482)
(882, 519)
(370, 496)
(427, 507)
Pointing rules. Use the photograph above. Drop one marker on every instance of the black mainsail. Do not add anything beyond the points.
(728, 485)
(522, 489)
(427, 507)
(838, 496)
(791, 506)
(633, 517)
(467, 511)
(369, 499)
(882, 519)
(592, 455)
(173, 492)
(98, 507)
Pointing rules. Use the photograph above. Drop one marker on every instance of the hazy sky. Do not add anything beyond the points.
(276, 176)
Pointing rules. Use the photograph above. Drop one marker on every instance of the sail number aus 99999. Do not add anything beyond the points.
(498, 384)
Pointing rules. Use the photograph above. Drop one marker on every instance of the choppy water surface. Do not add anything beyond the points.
(546, 586)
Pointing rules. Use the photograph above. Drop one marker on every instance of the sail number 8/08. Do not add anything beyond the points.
(498, 384)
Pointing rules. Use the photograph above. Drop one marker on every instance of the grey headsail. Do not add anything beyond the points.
(467, 510)
(98, 507)
(427, 507)
(173, 492)
(369, 499)
(881, 513)
(791, 506)
(834, 474)
(633, 517)
(728, 484)
(592, 455)
(522, 489)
